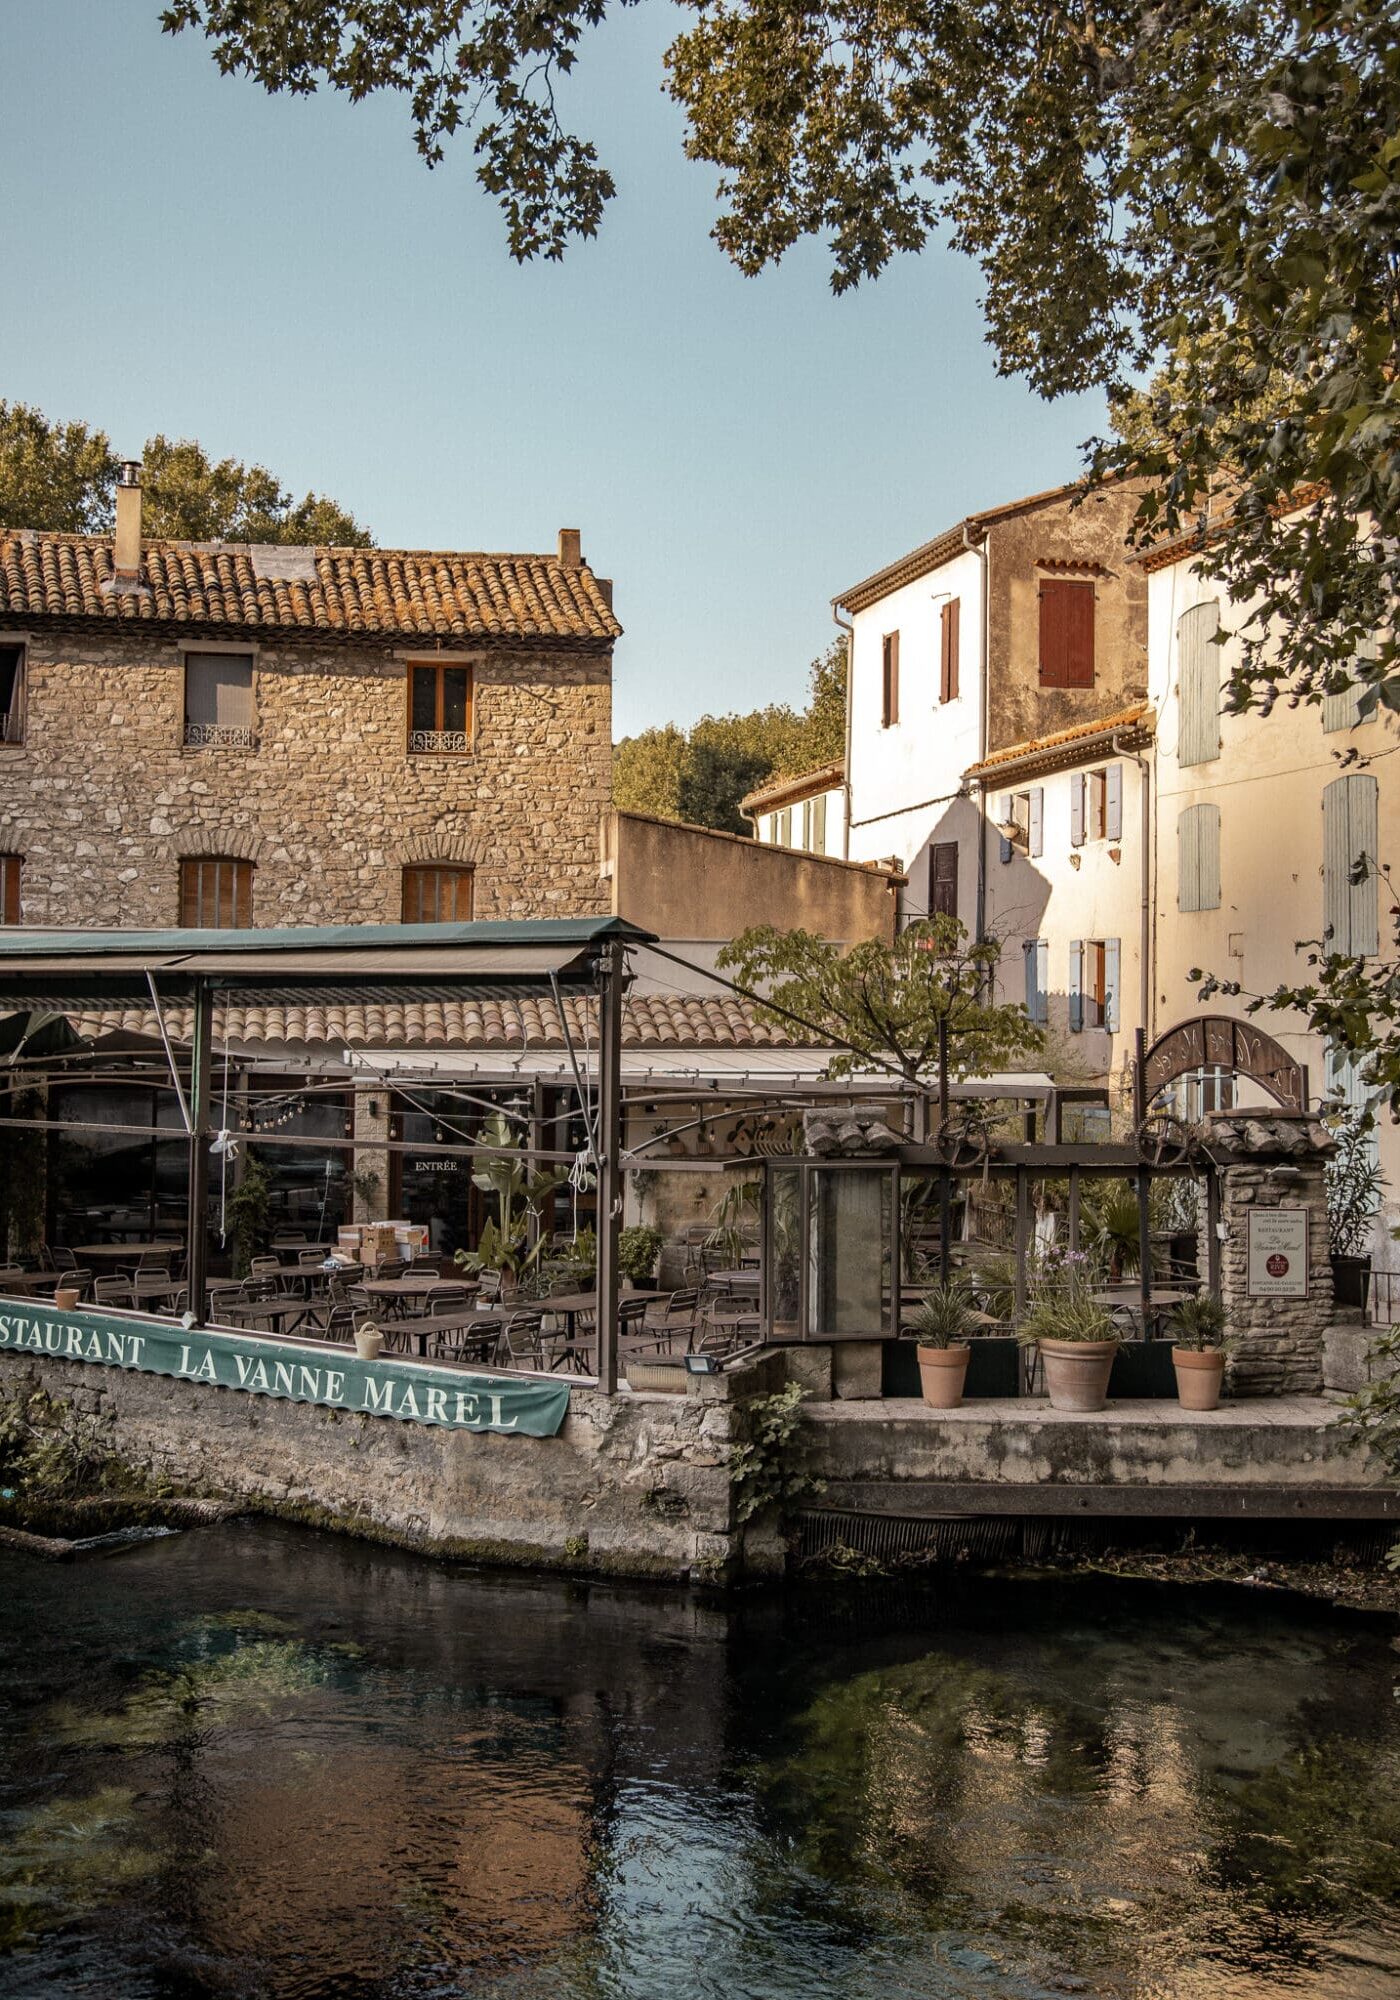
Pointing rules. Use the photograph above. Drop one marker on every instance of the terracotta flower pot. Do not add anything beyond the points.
(1199, 1374)
(942, 1371)
(66, 1296)
(1077, 1372)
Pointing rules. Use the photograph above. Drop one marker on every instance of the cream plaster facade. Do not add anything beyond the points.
(102, 801)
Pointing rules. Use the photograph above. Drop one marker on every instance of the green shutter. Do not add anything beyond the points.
(1198, 683)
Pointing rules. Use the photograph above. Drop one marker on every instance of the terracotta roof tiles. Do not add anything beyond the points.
(1062, 740)
(652, 1020)
(401, 592)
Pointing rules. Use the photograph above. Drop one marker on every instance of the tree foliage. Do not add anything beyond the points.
(1207, 185)
(61, 477)
(885, 1001)
(700, 775)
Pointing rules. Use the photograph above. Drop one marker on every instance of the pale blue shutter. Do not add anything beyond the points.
(1341, 711)
(1008, 812)
(819, 825)
(1350, 832)
(1076, 984)
(1037, 956)
(1112, 960)
(1076, 809)
(1198, 858)
(1113, 802)
(1037, 820)
(1198, 683)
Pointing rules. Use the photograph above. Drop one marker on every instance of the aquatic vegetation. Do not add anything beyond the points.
(66, 1857)
(225, 1690)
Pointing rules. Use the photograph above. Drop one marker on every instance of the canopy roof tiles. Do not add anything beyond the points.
(336, 593)
(650, 1021)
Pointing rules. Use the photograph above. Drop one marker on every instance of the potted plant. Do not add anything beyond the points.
(1354, 1188)
(1074, 1332)
(1198, 1356)
(637, 1252)
(943, 1323)
(369, 1341)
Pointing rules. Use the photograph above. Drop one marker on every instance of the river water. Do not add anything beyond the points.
(252, 1761)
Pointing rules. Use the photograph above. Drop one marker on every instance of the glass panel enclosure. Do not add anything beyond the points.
(782, 1261)
(849, 1246)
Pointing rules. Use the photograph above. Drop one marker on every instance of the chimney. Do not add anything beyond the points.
(570, 553)
(126, 551)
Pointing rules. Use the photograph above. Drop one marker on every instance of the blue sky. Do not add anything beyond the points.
(283, 279)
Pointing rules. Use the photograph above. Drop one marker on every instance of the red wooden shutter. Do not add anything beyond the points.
(948, 677)
(1079, 635)
(10, 865)
(1066, 633)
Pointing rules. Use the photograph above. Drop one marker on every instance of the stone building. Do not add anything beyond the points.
(206, 733)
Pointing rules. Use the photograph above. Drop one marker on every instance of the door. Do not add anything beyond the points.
(943, 879)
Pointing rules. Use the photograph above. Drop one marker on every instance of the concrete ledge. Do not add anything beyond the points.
(1285, 1456)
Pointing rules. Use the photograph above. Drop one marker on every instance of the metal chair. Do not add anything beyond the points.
(74, 1276)
(112, 1292)
(449, 1299)
(269, 1268)
(489, 1287)
(61, 1258)
(523, 1340)
(477, 1344)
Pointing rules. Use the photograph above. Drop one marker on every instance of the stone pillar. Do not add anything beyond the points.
(371, 1130)
(1271, 1160)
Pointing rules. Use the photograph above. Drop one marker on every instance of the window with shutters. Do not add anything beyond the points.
(889, 680)
(1096, 805)
(219, 710)
(1066, 633)
(1026, 812)
(437, 892)
(950, 644)
(943, 879)
(439, 708)
(1037, 955)
(1343, 709)
(1350, 847)
(10, 869)
(12, 690)
(216, 893)
(1094, 965)
(782, 827)
(1198, 684)
(1198, 858)
(818, 841)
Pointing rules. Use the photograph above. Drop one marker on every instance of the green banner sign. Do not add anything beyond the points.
(331, 1376)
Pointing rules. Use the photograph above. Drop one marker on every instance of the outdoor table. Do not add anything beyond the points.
(252, 1311)
(567, 1305)
(125, 1253)
(411, 1288)
(30, 1281)
(481, 1329)
(746, 1280)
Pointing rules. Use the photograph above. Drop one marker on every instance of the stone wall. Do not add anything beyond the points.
(632, 1485)
(1271, 1159)
(103, 801)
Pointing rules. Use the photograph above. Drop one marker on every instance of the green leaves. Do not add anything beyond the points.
(882, 1003)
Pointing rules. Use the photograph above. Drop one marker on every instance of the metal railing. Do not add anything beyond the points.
(438, 739)
(219, 736)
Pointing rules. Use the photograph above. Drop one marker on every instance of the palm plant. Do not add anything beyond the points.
(1199, 1323)
(501, 1169)
(947, 1315)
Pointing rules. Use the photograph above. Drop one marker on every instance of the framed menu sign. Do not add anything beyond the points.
(1278, 1253)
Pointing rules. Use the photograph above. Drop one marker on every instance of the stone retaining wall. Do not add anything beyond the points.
(632, 1485)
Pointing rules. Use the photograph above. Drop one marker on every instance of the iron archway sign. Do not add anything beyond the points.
(1221, 1041)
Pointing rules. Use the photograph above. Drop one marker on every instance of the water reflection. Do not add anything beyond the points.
(257, 1762)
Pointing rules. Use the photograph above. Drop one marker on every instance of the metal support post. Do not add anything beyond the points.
(1213, 1232)
(611, 973)
(201, 1077)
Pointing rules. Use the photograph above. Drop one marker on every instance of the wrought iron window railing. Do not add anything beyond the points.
(219, 736)
(439, 739)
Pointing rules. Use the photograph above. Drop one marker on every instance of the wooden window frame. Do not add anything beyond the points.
(415, 873)
(937, 848)
(440, 665)
(194, 893)
(11, 876)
